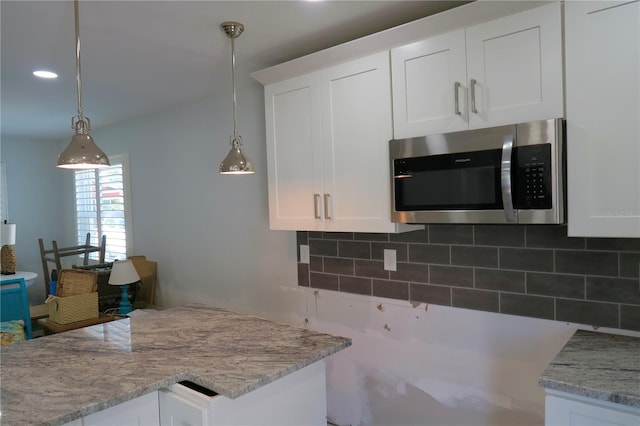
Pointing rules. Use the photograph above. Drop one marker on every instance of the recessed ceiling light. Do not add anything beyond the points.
(45, 74)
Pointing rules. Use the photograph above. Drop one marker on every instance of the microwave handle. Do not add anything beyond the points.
(505, 180)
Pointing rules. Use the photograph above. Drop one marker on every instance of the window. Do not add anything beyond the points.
(101, 208)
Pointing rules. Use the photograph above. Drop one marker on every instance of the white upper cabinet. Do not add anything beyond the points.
(505, 71)
(294, 153)
(327, 149)
(429, 86)
(603, 124)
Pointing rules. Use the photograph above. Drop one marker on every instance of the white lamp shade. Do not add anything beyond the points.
(123, 272)
(8, 234)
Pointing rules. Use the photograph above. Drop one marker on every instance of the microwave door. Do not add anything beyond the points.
(456, 187)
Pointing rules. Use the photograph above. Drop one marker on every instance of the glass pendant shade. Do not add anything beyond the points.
(236, 162)
(82, 153)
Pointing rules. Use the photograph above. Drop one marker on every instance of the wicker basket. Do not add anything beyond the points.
(64, 310)
(72, 282)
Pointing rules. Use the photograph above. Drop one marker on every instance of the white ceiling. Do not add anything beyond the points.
(144, 56)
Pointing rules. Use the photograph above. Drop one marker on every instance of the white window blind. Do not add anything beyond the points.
(100, 209)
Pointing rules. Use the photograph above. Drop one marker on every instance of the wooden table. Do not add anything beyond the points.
(52, 327)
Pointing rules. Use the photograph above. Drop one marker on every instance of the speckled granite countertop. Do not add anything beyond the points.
(597, 365)
(56, 379)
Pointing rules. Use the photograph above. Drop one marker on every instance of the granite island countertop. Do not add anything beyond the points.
(597, 365)
(59, 378)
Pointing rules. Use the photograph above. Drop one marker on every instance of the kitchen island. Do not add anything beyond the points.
(594, 379)
(63, 377)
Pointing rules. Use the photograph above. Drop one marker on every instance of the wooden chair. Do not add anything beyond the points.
(58, 252)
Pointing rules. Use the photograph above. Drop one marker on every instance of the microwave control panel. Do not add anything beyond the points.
(532, 178)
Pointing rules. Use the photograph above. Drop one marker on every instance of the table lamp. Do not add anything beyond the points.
(7, 254)
(124, 273)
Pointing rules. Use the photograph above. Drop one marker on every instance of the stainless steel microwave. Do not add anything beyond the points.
(506, 174)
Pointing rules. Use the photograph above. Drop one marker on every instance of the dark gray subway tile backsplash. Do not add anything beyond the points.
(322, 247)
(338, 265)
(460, 276)
(495, 235)
(486, 257)
(599, 314)
(587, 262)
(359, 249)
(355, 285)
(533, 271)
(527, 306)
(479, 300)
(451, 234)
(413, 272)
(556, 285)
(438, 295)
(325, 281)
(552, 237)
(526, 259)
(496, 279)
(630, 265)
(629, 316)
(391, 289)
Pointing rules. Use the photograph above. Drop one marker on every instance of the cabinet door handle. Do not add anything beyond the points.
(316, 207)
(456, 89)
(327, 197)
(472, 88)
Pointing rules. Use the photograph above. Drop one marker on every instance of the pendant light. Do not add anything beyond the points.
(82, 152)
(236, 162)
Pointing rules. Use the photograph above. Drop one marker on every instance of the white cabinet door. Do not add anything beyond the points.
(603, 128)
(294, 154)
(561, 411)
(328, 149)
(356, 116)
(430, 86)
(505, 71)
(516, 63)
(141, 411)
(178, 410)
(296, 399)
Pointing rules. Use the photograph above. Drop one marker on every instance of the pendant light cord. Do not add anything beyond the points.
(78, 77)
(233, 82)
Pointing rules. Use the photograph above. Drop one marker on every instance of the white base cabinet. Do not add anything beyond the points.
(141, 411)
(565, 409)
(184, 408)
(296, 399)
(505, 71)
(603, 125)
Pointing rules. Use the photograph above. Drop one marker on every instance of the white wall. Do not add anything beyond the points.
(209, 233)
(33, 191)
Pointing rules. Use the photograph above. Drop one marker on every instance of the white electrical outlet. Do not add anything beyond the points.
(389, 260)
(304, 253)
